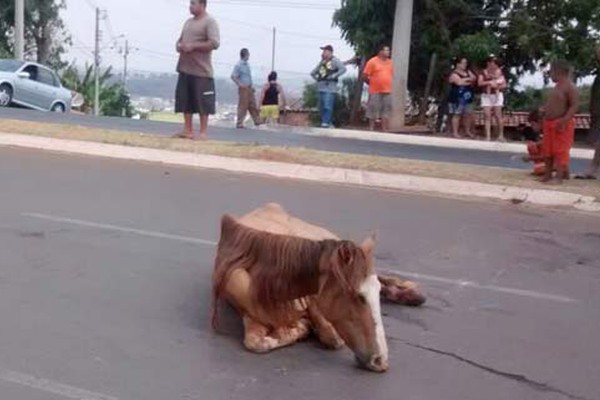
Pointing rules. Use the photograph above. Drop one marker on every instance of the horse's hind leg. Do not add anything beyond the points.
(258, 339)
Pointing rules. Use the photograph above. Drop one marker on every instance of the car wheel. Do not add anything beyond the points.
(6, 94)
(58, 108)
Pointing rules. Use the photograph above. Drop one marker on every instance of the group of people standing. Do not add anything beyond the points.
(464, 84)
(195, 94)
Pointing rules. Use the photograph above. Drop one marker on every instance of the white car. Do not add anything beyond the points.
(32, 85)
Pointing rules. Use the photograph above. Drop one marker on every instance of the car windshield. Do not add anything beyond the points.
(10, 65)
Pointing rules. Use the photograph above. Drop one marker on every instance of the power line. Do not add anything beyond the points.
(164, 56)
(279, 4)
(286, 32)
(109, 28)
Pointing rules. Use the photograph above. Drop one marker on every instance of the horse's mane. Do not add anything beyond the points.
(283, 268)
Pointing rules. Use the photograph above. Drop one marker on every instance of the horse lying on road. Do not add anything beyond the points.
(286, 278)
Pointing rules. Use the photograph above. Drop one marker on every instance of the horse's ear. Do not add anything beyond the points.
(345, 254)
(368, 245)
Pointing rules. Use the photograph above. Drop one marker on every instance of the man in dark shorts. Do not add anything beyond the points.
(195, 93)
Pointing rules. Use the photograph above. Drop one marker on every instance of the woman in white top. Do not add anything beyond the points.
(492, 84)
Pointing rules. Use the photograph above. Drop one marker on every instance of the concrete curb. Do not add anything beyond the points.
(419, 140)
(307, 172)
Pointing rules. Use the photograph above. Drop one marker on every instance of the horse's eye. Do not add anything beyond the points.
(362, 299)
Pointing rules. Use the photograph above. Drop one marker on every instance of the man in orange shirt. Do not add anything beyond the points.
(379, 75)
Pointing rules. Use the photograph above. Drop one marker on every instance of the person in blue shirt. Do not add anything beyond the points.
(242, 76)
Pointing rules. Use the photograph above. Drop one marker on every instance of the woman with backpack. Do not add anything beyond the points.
(462, 82)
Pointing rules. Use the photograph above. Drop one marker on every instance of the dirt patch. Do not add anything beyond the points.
(295, 155)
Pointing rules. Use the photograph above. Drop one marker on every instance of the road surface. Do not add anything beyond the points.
(352, 146)
(105, 284)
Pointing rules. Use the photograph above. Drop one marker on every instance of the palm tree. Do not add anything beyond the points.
(114, 100)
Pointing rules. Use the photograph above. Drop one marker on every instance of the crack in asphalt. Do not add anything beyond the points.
(539, 386)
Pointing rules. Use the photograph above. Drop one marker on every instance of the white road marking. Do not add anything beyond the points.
(141, 232)
(475, 285)
(406, 274)
(49, 386)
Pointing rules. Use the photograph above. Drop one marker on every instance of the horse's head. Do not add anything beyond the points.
(349, 299)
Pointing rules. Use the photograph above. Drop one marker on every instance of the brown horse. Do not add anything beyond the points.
(280, 284)
(287, 278)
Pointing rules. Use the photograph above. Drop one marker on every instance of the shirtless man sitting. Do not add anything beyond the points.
(559, 123)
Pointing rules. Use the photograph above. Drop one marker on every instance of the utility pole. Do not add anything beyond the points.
(19, 29)
(97, 66)
(125, 56)
(401, 58)
(126, 51)
(273, 50)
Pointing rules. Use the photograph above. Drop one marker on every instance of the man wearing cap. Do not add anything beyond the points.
(327, 74)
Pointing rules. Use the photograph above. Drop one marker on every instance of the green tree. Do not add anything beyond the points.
(477, 47)
(527, 34)
(536, 32)
(115, 101)
(366, 24)
(46, 36)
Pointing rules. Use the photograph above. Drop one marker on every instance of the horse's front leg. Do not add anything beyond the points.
(291, 334)
(259, 339)
(324, 330)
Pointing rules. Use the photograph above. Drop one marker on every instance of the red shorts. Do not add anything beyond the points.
(557, 144)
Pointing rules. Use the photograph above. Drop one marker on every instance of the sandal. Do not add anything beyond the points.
(588, 177)
(182, 135)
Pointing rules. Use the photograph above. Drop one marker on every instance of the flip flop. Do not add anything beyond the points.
(586, 177)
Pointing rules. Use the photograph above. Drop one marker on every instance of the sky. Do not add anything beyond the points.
(153, 26)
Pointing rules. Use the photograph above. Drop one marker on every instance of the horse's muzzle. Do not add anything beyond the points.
(375, 363)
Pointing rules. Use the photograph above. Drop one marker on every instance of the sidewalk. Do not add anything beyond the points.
(323, 167)
(420, 140)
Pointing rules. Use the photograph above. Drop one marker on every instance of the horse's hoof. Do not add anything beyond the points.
(260, 345)
(333, 343)
(406, 296)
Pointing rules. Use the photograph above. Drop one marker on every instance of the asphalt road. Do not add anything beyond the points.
(282, 138)
(105, 284)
